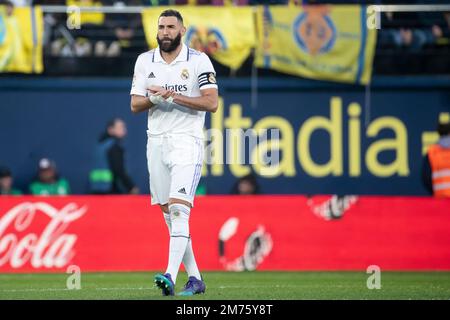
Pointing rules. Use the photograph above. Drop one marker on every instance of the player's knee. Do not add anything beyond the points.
(178, 210)
(179, 217)
(164, 208)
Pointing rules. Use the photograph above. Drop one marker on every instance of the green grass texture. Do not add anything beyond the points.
(254, 285)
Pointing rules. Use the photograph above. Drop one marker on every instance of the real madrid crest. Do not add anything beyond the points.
(184, 74)
(212, 78)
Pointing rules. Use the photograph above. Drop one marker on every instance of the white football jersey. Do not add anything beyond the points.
(190, 72)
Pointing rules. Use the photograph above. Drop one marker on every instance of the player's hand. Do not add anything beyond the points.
(161, 91)
(156, 99)
(167, 94)
(155, 89)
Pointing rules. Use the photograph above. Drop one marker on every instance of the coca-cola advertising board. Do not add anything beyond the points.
(125, 233)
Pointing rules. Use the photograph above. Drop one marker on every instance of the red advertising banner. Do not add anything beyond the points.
(125, 233)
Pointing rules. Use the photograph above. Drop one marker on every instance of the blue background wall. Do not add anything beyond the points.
(62, 119)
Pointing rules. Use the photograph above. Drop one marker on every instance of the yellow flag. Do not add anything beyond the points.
(320, 42)
(225, 33)
(21, 33)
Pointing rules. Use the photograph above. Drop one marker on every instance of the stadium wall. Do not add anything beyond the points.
(335, 138)
(234, 233)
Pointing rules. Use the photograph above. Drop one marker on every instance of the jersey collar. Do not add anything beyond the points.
(182, 56)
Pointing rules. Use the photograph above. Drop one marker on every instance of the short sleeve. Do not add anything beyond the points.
(138, 86)
(206, 73)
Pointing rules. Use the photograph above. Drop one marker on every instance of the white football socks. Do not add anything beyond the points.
(189, 262)
(188, 259)
(167, 219)
(180, 248)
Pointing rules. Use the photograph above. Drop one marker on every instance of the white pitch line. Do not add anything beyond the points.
(34, 290)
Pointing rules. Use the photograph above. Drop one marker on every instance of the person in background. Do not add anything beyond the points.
(125, 29)
(48, 181)
(6, 183)
(436, 165)
(109, 175)
(246, 185)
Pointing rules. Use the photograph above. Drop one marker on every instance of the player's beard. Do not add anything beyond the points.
(169, 46)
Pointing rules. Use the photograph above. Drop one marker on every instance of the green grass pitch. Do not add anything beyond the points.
(230, 285)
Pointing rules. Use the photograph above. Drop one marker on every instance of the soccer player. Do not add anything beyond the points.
(177, 85)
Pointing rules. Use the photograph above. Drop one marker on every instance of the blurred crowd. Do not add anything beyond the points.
(408, 42)
(108, 174)
(46, 182)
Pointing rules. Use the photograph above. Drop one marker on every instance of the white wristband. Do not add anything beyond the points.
(156, 99)
(169, 99)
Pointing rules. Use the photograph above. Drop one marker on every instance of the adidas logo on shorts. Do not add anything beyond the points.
(151, 75)
(182, 190)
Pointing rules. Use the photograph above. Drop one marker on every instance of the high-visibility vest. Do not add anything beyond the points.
(101, 177)
(440, 167)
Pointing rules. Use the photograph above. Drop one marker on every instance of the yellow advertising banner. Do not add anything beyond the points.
(320, 42)
(21, 31)
(226, 34)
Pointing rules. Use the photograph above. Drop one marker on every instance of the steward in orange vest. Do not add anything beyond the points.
(436, 168)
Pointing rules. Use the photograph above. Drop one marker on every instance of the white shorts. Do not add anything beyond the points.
(175, 167)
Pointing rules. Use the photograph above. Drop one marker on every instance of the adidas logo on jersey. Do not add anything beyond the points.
(151, 75)
(182, 190)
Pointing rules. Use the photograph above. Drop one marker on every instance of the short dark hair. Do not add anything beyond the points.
(172, 13)
(5, 172)
(112, 122)
(443, 129)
